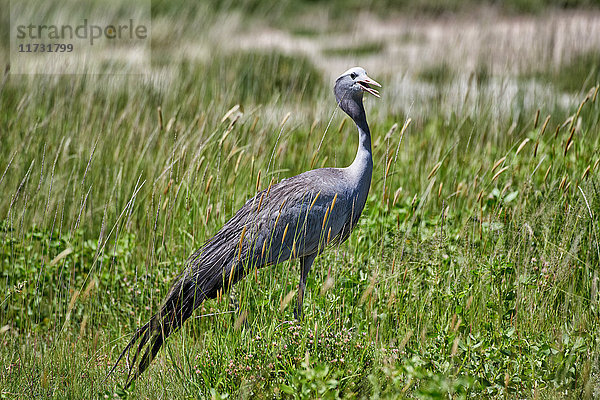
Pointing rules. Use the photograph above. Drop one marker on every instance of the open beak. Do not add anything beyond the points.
(366, 82)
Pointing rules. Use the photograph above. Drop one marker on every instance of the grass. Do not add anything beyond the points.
(286, 11)
(574, 75)
(439, 75)
(362, 49)
(473, 272)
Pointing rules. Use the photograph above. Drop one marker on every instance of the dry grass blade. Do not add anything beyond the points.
(541, 133)
(258, 180)
(60, 256)
(434, 170)
(328, 284)
(229, 113)
(284, 120)
(498, 163)
(585, 173)
(562, 182)
(391, 132)
(547, 173)
(240, 320)
(568, 144)
(342, 124)
(497, 174)
(396, 196)
(523, 143)
(286, 300)
(160, 118)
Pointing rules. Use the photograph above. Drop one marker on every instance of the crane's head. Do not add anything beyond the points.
(350, 86)
(354, 82)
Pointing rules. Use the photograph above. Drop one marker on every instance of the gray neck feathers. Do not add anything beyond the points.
(354, 108)
(360, 171)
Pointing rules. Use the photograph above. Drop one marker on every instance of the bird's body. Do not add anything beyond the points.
(295, 218)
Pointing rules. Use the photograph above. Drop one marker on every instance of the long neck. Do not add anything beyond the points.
(363, 162)
(364, 141)
(361, 170)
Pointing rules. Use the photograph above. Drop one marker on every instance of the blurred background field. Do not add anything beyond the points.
(473, 272)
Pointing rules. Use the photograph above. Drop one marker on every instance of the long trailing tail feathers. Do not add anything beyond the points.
(179, 305)
(207, 273)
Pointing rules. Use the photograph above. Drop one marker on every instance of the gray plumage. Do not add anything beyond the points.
(295, 218)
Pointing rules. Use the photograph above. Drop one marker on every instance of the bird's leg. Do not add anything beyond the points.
(305, 265)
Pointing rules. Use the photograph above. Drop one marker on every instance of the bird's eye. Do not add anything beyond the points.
(353, 75)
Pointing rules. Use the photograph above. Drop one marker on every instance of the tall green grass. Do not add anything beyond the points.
(473, 271)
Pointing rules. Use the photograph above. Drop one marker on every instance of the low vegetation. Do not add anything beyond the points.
(473, 272)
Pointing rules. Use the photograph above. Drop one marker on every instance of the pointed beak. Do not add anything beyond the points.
(366, 83)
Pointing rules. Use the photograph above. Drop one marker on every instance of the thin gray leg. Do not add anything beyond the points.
(305, 265)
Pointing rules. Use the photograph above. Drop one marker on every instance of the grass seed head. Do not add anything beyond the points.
(497, 163)
(498, 173)
(434, 170)
(547, 173)
(160, 117)
(585, 173)
(258, 180)
(523, 143)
